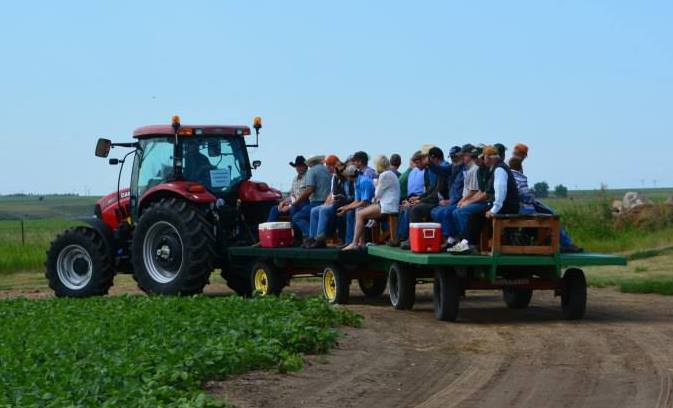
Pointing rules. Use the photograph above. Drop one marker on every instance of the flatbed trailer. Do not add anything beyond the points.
(271, 269)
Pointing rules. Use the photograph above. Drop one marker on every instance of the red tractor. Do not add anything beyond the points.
(191, 196)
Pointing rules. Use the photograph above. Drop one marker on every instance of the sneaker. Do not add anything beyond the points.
(393, 244)
(318, 243)
(460, 248)
(406, 245)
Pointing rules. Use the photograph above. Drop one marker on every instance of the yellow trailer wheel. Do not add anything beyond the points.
(266, 280)
(335, 285)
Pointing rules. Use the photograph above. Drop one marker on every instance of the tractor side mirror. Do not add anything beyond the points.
(256, 164)
(113, 162)
(103, 147)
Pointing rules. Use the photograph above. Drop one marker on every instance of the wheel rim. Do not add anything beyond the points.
(74, 267)
(329, 285)
(393, 289)
(261, 281)
(162, 252)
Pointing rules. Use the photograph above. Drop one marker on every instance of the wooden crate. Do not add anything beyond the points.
(545, 228)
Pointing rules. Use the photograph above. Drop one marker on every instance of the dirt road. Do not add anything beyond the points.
(621, 355)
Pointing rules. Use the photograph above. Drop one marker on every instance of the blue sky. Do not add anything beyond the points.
(588, 85)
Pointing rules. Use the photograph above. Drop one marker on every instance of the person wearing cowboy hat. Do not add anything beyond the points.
(317, 189)
(288, 206)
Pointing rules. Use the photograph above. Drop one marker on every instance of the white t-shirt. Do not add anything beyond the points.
(471, 182)
(388, 192)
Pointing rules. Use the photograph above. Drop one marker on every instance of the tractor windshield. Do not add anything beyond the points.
(217, 163)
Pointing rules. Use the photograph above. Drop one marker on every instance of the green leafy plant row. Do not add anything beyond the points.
(151, 351)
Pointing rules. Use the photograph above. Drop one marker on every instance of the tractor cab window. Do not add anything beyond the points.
(156, 163)
(217, 163)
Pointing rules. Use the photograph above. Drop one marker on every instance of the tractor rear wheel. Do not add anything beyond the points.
(372, 287)
(79, 264)
(401, 287)
(335, 285)
(574, 294)
(173, 248)
(517, 298)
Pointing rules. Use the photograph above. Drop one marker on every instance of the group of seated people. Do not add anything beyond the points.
(329, 195)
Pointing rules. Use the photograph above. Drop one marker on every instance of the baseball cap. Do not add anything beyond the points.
(454, 150)
(521, 149)
(332, 160)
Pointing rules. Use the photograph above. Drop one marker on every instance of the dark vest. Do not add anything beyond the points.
(511, 203)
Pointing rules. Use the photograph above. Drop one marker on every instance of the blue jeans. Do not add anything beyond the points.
(322, 220)
(275, 213)
(462, 216)
(443, 214)
(545, 209)
(350, 226)
(403, 225)
(301, 219)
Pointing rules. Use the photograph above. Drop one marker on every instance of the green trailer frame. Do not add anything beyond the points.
(269, 270)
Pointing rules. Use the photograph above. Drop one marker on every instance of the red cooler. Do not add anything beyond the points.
(275, 234)
(425, 237)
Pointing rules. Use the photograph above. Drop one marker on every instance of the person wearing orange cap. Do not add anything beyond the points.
(323, 217)
(520, 151)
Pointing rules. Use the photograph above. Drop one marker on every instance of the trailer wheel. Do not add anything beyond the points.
(265, 280)
(517, 298)
(239, 283)
(372, 287)
(335, 285)
(446, 296)
(401, 287)
(574, 294)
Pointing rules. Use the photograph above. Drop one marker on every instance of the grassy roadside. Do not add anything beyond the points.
(151, 351)
(644, 274)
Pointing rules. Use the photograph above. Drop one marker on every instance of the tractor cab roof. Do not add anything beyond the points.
(190, 130)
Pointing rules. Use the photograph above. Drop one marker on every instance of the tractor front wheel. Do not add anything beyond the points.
(173, 247)
(79, 264)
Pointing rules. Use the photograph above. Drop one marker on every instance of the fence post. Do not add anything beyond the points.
(23, 234)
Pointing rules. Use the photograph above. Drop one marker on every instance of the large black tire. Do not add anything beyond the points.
(446, 296)
(173, 248)
(265, 280)
(239, 283)
(79, 264)
(335, 285)
(517, 298)
(574, 295)
(372, 287)
(401, 287)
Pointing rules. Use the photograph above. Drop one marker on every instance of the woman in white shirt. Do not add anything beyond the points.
(386, 202)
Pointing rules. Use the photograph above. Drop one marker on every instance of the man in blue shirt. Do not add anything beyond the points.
(443, 213)
(318, 182)
(364, 193)
(360, 160)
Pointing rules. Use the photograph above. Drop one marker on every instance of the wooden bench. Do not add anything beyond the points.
(503, 235)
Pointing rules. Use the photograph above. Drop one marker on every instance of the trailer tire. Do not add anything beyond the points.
(517, 298)
(239, 284)
(335, 285)
(79, 264)
(372, 287)
(401, 287)
(574, 294)
(446, 296)
(265, 280)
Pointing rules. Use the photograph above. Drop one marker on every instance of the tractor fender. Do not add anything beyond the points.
(186, 190)
(254, 191)
(103, 230)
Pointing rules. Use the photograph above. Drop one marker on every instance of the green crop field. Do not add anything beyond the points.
(151, 351)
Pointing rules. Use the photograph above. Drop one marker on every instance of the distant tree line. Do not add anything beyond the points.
(541, 190)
